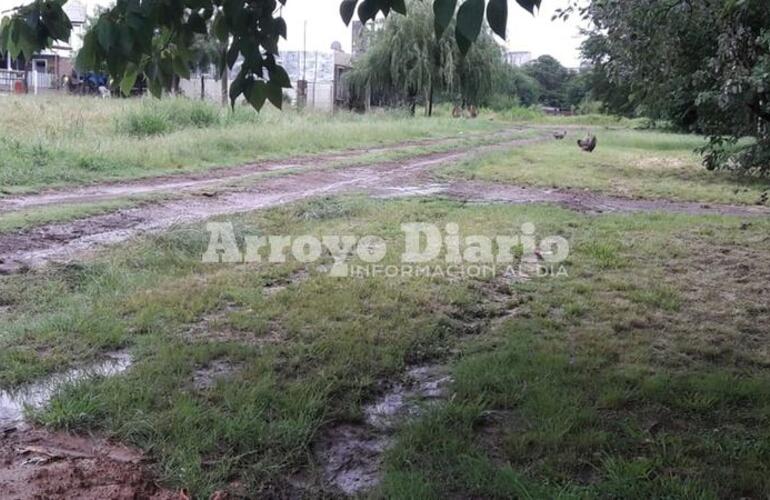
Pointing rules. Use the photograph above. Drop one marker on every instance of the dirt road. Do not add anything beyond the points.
(65, 241)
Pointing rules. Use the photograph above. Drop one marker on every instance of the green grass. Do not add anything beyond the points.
(74, 140)
(643, 373)
(629, 163)
(33, 217)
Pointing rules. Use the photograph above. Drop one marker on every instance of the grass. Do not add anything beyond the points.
(631, 163)
(643, 373)
(61, 141)
(34, 217)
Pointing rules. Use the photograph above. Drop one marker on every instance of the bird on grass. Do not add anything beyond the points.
(588, 144)
(559, 134)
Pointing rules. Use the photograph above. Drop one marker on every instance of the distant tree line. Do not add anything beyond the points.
(408, 65)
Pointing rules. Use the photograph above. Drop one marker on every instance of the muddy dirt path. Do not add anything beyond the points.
(66, 241)
(181, 183)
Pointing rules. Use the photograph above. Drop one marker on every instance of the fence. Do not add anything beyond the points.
(8, 79)
(320, 95)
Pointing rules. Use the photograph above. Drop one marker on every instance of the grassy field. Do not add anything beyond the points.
(633, 163)
(60, 141)
(643, 373)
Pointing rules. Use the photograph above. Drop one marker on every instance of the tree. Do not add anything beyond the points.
(127, 35)
(704, 65)
(406, 61)
(553, 79)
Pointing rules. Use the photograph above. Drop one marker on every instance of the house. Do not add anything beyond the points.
(46, 70)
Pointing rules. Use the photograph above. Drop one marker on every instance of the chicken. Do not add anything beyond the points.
(588, 144)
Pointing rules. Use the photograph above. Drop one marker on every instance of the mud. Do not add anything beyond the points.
(66, 241)
(36, 395)
(37, 464)
(208, 376)
(351, 454)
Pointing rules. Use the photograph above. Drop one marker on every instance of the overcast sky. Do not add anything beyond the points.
(538, 35)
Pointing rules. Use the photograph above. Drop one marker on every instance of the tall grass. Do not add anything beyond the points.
(160, 117)
(65, 140)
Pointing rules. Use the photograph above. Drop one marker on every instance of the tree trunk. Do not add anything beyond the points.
(203, 87)
(225, 77)
(430, 101)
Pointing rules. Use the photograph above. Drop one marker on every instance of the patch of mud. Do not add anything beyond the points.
(351, 454)
(215, 328)
(206, 378)
(37, 464)
(64, 242)
(418, 190)
(588, 201)
(36, 395)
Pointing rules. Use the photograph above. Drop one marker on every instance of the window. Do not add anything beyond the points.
(40, 65)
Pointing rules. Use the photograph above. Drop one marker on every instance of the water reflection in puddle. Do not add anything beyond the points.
(38, 394)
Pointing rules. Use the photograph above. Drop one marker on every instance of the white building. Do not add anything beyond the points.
(518, 58)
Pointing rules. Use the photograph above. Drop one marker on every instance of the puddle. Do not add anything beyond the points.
(207, 377)
(352, 454)
(419, 190)
(38, 394)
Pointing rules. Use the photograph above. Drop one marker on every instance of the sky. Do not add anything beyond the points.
(537, 34)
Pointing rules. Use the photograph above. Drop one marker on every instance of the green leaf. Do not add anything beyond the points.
(497, 16)
(105, 33)
(398, 6)
(181, 67)
(368, 10)
(347, 9)
(156, 89)
(86, 58)
(470, 16)
(219, 28)
(443, 11)
(529, 5)
(257, 95)
(274, 95)
(236, 88)
(197, 24)
(129, 79)
(463, 43)
(280, 77)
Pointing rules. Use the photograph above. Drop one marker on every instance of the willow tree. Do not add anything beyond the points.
(407, 60)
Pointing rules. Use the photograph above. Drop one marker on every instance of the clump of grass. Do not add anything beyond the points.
(666, 298)
(162, 117)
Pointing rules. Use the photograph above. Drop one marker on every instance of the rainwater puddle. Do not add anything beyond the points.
(37, 395)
